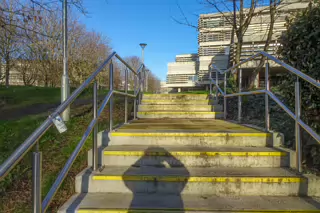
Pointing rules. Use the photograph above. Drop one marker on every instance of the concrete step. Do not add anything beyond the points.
(191, 156)
(213, 181)
(193, 132)
(176, 96)
(209, 139)
(185, 108)
(179, 114)
(178, 102)
(163, 203)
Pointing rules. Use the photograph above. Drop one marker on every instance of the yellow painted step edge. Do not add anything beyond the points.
(175, 94)
(200, 179)
(188, 210)
(179, 153)
(174, 100)
(188, 113)
(183, 134)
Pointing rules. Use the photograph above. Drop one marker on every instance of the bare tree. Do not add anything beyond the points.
(28, 71)
(8, 39)
(25, 11)
(134, 62)
(153, 83)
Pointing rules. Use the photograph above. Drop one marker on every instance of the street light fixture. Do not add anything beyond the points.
(143, 45)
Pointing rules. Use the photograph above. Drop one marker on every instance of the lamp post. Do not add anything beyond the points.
(143, 45)
(65, 87)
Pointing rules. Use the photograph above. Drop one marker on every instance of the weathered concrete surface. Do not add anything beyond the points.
(193, 132)
(189, 203)
(187, 124)
(189, 140)
(214, 181)
(313, 185)
(180, 114)
(179, 102)
(185, 108)
(191, 156)
(176, 96)
(278, 137)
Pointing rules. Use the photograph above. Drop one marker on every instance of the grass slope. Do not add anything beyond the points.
(15, 189)
(24, 96)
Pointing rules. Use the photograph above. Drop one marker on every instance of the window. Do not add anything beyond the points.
(221, 36)
(212, 23)
(211, 51)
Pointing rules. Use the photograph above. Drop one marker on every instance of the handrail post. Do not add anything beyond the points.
(111, 98)
(224, 97)
(95, 129)
(36, 180)
(141, 83)
(144, 80)
(267, 114)
(135, 98)
(126, 97)
(217, 83)
(298, 136)
(239, 97)
(210, 77)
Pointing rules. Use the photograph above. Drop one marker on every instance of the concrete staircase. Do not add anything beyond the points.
(179, 106)
(173, 160)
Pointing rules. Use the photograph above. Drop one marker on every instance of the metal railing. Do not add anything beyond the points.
(33, 139)
(268, 94)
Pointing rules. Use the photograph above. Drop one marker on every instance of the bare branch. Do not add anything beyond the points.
(186, 21)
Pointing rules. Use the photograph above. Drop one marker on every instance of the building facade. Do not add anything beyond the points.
(215, 36)
(182, 72)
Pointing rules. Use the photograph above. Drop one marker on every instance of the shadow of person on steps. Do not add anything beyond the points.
(156, 181)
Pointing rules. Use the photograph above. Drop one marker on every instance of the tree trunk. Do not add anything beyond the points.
(238, 51)
(266, 46)
(7, 69)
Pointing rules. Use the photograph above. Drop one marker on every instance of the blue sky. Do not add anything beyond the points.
(129, 22)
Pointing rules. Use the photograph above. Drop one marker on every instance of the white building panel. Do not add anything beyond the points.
(182, 68)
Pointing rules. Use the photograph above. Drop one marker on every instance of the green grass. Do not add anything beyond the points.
(20, 96)
(15, 189)
(24, 96)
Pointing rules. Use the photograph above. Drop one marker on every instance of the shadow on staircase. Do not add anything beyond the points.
(155, 186)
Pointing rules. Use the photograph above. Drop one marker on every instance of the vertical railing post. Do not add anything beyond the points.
(210, 78)
(141, 84)
(217, 83)
(239, 97)
(135, 98)
(224, 97)
(126, 97)
(266, 97)
(36, 180)
(144, 79)
(139, 87)
(298, 136)
(95, 129)
(111, 98)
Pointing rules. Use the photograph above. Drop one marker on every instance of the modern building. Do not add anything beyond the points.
(182, 72)
(215, 36)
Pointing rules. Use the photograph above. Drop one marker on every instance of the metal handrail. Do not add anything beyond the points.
(32, 140)
(268, 93)
(272, 58)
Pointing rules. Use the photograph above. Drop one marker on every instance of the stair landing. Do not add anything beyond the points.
(155, 203)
